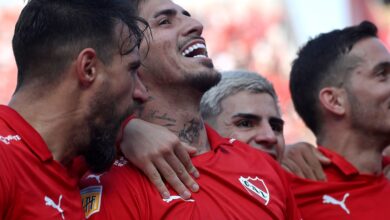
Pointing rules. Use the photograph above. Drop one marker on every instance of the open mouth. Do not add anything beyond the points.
(195, 50)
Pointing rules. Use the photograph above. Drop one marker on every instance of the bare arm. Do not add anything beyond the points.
(304, 160)
(160, 154)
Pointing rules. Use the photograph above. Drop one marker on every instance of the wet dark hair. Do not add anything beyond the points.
(49, 34)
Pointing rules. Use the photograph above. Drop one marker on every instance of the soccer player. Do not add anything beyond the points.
(244, 106)
(77, 80)
(177, 71)
(340, 87)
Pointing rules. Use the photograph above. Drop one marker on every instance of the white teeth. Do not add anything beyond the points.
(194, 47)
(200, 55)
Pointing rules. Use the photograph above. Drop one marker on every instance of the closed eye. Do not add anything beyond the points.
(133, 67)
(164, 21)
(382, 70)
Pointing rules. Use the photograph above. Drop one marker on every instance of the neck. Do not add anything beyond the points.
(361, 150)
(179, 112)
(50, 117)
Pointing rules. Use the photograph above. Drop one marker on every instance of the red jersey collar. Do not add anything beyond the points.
(216, 140)
(340, 162)
(28, 134)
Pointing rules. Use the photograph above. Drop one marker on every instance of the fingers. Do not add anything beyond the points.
(162, 156)
(322, 158)
(305, 160)
(171, 176)
(314, 164)
(292, 168)
(183, 154)
(298, 165)
(182, 172)
(154, 176)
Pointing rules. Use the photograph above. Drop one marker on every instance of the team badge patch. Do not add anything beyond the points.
(91, 198)
(256, 187)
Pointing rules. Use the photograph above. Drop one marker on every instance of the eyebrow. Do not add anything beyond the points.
(256, 117)
(380, 66)
(247, 116)
(170, 12)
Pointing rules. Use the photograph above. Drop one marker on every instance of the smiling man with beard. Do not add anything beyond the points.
(77, 80)
(177, 72)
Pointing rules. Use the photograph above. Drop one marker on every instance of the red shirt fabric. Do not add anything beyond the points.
(237, 182)
(385, 161)
(346, 194)
(32, 184)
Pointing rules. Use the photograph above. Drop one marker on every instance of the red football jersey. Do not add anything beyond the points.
(237, 182)
(32, 184)
(346, 194)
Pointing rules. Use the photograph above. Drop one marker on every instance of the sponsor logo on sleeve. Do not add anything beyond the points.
(91, 199)
(9, 138)
(257, 188)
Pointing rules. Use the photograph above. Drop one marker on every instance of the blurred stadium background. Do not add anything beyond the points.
(258, 35)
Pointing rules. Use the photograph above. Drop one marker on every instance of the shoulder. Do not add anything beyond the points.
(7, 180)
(117, 194)
(122, 173)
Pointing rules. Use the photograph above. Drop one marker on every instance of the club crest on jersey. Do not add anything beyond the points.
(91, 199)
(257, 188)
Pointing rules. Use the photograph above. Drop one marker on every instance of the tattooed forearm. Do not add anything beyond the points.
(191, 131)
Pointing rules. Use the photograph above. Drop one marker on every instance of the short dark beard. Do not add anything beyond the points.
(204, 81)
(101, 153)
(103, 124)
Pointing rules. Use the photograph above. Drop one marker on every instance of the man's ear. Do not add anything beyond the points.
(333, 100)
(86, 66)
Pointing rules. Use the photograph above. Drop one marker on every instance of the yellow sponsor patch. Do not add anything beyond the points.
(91, 198)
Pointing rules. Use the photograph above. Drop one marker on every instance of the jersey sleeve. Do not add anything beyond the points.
(122, 130)
(118, 196)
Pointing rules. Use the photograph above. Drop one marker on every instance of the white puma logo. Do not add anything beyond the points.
(50, 202)
(333, 201)
(97, 177)
(171, 198)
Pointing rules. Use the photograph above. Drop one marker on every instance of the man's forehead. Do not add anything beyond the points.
(149, 8)
(370, 48)
(246, 102)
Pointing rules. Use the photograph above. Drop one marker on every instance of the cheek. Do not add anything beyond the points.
(125, 89)
(244, 136)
